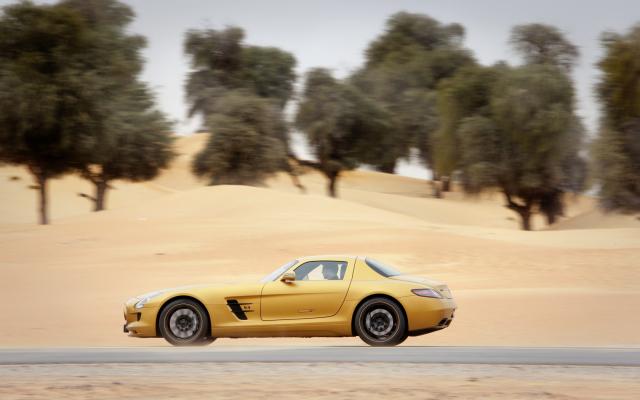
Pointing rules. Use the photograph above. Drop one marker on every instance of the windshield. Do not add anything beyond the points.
(281, 270)
(382, 268)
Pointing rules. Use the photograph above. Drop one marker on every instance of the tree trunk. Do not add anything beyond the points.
(435, 186)
(523, 210)
(435, 190)
(101, 195)
(293, 173)
(389, 167)
(43, 201)
(331, 188)
(297, 183)
(551, 218)
(446, 184)
(525, 220)
(551, 205)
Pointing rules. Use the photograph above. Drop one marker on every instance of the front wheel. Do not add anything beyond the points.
(184, 322)
(380, 322)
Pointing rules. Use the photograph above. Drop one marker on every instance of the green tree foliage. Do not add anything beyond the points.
(339, 123)
(46, 91)
(222, 66)
(465, 94)
(114, 55)
(617, 149)
(245, 146)
(515, 128)
(137, 143)
(220, 62)
(543, 44)
(132, 139)
(524, 142)
(269, 73)
(403, 68)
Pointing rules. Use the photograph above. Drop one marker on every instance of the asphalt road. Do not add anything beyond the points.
(404, 354)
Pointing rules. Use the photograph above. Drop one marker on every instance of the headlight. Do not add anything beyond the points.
(427, 293)
(145, 299)
(141, 303)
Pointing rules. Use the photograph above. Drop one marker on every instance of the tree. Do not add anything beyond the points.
(269, 73)
(522, 143)
(617, 148)
(339, 123)
(216, 67)
(515, 128)
(45, 91)
(132, 139)
(137, 144)
(245, 146)
(465, 94)
(403, 67)
(221, 64)
(543, 44)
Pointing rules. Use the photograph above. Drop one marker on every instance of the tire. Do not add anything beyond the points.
(381, 322)
(184, 322)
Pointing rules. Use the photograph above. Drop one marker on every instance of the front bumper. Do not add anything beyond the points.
(139, 322)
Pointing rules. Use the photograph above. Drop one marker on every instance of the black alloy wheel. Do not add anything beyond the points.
(184, 322)
(380, 322)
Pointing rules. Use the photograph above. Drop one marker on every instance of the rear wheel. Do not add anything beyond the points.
(184, 322)
(380, 322)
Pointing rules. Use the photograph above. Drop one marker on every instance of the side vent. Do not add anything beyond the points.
(238, 310)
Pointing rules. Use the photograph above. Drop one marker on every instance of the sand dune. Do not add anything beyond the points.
(595, 218)
(403, 195)
(64, 284)
(18, 201)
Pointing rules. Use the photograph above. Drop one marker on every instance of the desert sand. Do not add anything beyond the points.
(318, 381)
(575, 284)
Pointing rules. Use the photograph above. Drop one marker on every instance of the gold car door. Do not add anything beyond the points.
(318, 291)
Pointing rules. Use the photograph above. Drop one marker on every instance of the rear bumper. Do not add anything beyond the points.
(427, 315)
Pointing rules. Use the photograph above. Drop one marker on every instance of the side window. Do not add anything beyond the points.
(321, 271)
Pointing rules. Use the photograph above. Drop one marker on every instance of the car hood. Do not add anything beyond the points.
(159, 292)
(215, 293)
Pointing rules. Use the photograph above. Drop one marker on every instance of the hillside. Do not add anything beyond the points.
(553, 287)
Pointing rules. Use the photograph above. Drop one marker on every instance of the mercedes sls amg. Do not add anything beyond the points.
(310, 296)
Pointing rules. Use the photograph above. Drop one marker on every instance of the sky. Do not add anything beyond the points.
(335, 33)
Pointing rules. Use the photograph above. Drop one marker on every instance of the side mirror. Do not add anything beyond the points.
(288, 277)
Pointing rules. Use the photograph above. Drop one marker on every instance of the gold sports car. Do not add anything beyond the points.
(310, 296)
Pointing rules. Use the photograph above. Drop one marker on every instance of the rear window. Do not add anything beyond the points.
(382, 268)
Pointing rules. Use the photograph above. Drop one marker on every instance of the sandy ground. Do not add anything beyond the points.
(577, 284)
(317, 381)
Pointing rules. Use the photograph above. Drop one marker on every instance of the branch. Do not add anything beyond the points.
(512, 205)
(293, 173)
(305, 163)
(86, 196)
(88, 175)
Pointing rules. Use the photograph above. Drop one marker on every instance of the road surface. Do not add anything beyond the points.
(286, 354)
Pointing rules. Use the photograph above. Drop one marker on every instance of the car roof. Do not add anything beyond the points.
(328, 257)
